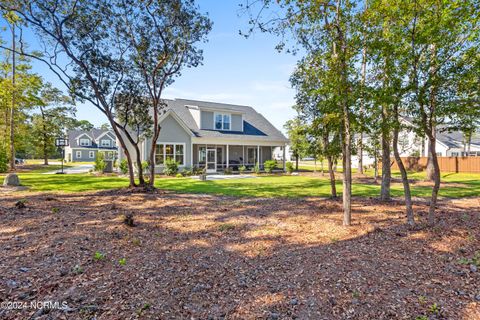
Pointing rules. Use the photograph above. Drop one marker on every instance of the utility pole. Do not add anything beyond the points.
(12, 110)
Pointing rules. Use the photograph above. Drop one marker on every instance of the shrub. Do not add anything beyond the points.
(186, 172)
(3, 161)
(227, 171)
(124, 166)
(179, 175)
(269, 165)
(100, 164)
(242, 169)
(145, 165)
(171, 167)
(197, 170)
(289, 167)
(256, 168)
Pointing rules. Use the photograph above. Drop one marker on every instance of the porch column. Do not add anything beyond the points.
(284, 155)
(228, 165)
(243, 154)
(258, 156)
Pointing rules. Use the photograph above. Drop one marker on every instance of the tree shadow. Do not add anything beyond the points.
(224, 257)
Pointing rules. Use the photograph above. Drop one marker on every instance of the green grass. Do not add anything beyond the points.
(266, 186)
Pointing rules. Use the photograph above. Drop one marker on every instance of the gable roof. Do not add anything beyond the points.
(256, 126)
(94, 134)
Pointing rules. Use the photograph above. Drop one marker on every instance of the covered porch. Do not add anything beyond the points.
(218, 157)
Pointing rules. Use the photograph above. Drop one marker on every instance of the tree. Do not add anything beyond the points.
(55, 110)
(83, 125)
(296, 132)
(327, 28)
(82, 47)
(178, 27)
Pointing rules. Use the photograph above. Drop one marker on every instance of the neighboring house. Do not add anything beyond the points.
(212, 136)
(278, 153)
(84, 145)
(448, 144)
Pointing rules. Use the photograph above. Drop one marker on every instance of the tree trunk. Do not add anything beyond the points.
(296, 162)
(331, 172)
(141, 180)
(375, 164)
(131, 172)
(430, 171)
(403, 172)
(386, 171)
(436, 179)
(12, 110)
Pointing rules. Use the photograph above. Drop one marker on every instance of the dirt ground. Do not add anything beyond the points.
(209, 257)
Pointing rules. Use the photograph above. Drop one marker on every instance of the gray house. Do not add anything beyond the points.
(84, 145)
(212, 135)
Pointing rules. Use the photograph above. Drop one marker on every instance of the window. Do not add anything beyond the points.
(91, 154)
(439, 154)
(105, 143)
(78, 154)
(174, 151)
(251, 155)
(84, 142)
(222, 121)
(454, 154)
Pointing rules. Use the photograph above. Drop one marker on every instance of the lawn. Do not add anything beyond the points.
(456, 185)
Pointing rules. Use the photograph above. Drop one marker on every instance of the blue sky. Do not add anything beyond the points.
(235, 70)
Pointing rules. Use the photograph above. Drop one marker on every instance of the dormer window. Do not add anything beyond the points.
(105, 143)
(222, 121)
(84, 142)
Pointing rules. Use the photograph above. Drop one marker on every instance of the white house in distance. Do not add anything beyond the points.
(449, 144)
(211, 135)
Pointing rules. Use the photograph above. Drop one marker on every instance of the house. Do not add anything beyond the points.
(448, 144)
(213, 136)
(84, 145)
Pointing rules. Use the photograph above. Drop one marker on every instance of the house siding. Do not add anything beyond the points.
(206, 120)
(173, 132)
(107, 137)
(237, 124)
(84, 155)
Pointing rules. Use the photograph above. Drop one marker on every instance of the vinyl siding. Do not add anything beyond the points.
(206, 120)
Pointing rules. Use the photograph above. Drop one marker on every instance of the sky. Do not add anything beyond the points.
(235, 70)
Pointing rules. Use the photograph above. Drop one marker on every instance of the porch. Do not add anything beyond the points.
(216, 158)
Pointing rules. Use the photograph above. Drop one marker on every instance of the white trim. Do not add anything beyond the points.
(76, 154)
(91, 154)
(206, 160)
(177, 118)
(105, 133)
(86, 134)
(200, 140)
(215, 114)
(109, 143)
(220, 110)
(79, 142)
(174, 154)
(96, 149)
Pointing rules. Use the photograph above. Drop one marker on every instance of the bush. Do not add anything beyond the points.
(256, 168)
(100, 164)
(227, 171)
(198, 171)
(186, 172)
(3, 161)
(171, 167)
(269, 165)
(179, 175)
(242, 169)
(289, 167)
(124, 166)
(145, 165)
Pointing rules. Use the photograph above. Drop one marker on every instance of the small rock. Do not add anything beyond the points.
(273, 316)
(12, 180)
(473, 268)
(294, 302)
(23, 269)
(477, 297)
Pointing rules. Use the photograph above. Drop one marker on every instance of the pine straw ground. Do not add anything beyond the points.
(207, 257)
